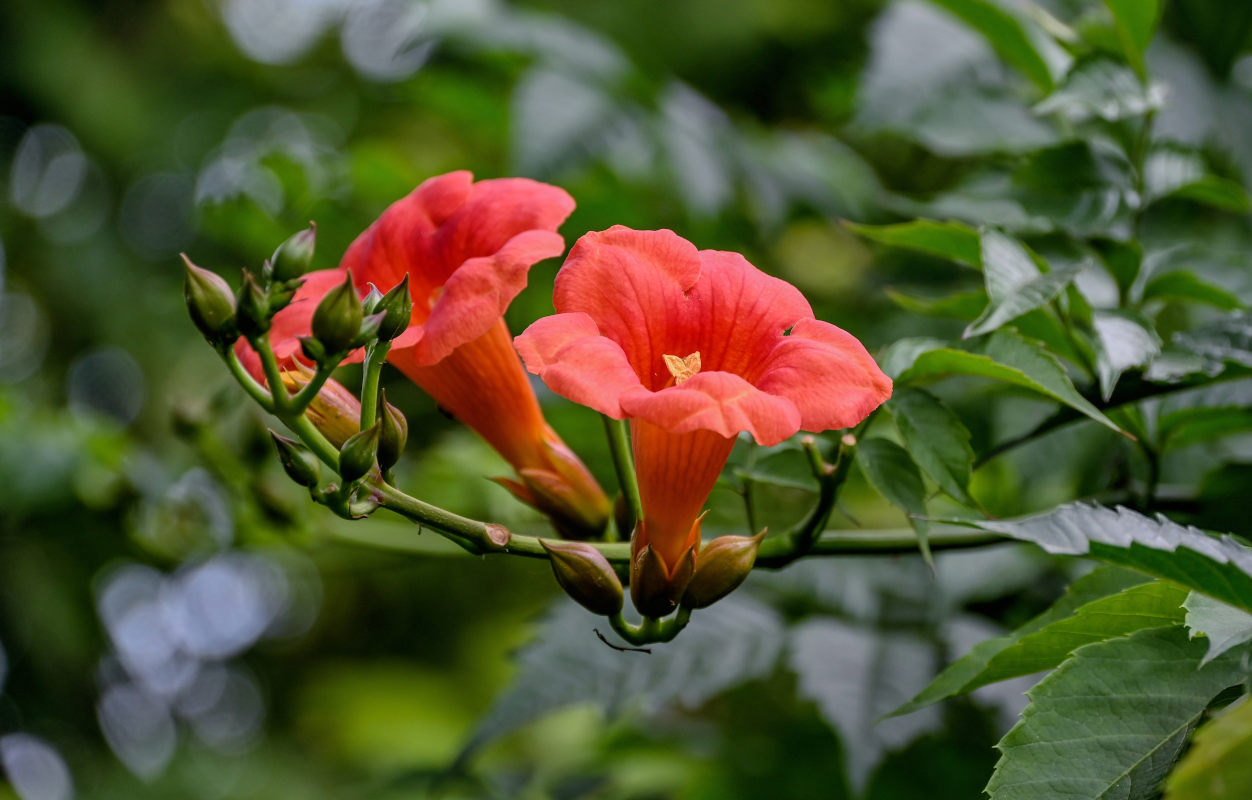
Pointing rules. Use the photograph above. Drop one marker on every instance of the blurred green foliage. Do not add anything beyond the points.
(177, 620)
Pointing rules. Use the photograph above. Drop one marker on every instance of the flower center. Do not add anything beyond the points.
(682, 368)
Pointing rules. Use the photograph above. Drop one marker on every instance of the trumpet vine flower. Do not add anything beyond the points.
(693, 347)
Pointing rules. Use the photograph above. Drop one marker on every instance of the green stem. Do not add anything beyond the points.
(301, 426)
(1129, 390)
(651, 631)
(875, 543)
(261, 344)
(300, 401)
(249, 384)
(374, 357)
(624, 464)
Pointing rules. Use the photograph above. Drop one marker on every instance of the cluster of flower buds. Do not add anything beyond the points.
(341, 322)
(588, 577)
(223, 316)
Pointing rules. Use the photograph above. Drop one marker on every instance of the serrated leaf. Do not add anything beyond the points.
(962, 305)
(855, 675)
(1007, 36)
(1219, 567)
(1189, 287)
(1015, 284)
(1005, 356)
(1036, 648)
(936, 438)
(1111, 720)
(1123, 340)
(1103, 89)
(890, 470)
(734, 641)
(1219, 764)
(1224, 626)
(951, 240)
(1136, 22)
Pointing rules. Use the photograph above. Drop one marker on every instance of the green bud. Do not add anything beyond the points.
(653, 589)
(394, 434)
(253, 307)
(722, 565)
(293, 257)
(369, 329)
(337, 319)
(359, 454)
(369, 303)
(299, 462)
(210, 302)
(586, 576)
(398, 306)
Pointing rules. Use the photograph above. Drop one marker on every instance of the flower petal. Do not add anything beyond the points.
(399, 240)
(720, 402)
(575, 361)
(827, 374)
(737, 314)
(633, 285)
(478, 293)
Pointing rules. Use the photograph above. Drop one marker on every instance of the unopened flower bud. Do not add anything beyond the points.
(337, 319)
(369, 303)
(359, 454)
(293, 257)
(654, 590)
(722, 565)
(586, 576)
(369, 329)
(300, 464)
(211, 303)
(394, 434)
(252, 309)
(335, 411)
(397, 304)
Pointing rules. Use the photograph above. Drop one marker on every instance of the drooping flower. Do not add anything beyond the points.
(467, 248)
(693, 347)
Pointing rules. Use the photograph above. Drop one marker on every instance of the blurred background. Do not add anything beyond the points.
(178, 621)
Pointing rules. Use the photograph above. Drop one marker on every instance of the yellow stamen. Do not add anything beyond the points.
(682, 368)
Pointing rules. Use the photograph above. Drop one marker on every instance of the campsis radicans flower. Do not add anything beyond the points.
(466, 249)
(693, 347)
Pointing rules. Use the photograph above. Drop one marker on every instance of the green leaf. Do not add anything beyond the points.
(1005, 356)
(963, 305)
(782, 465)
(732, 642)
(1136, 22)
(951, 240)
(1100, 88)
(1006, 34)
(1123, 340)
(854, 675)
(1227, 340)
(1174, 171)
(903, 353)
(1111, 720)
(936, 439)
(1219, 567)
(891, 471)
(1015, 284)
(1219, 764)
(1189, 287)
(1035, 648)
(1190, 426)
(1224, 626)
